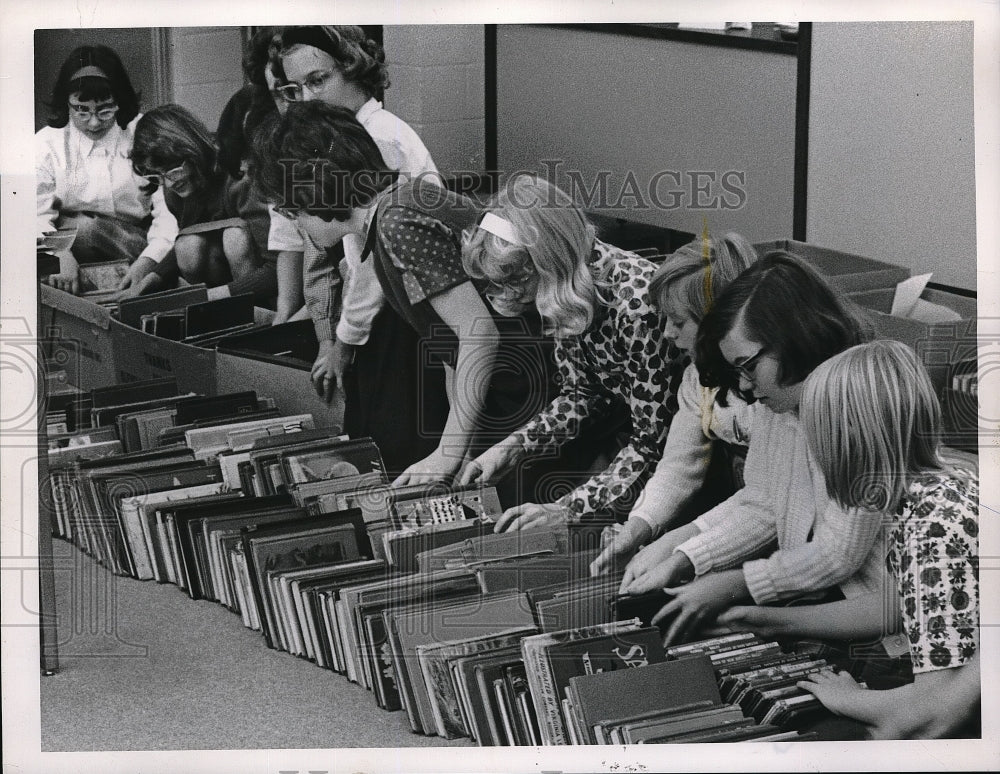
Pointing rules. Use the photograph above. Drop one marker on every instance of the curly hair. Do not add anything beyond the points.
(361, 60)
(116, 86)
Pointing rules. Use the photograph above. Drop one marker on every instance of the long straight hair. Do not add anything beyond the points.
(873, 422)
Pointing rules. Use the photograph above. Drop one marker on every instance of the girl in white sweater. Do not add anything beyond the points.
(683, 290)
(770, 328)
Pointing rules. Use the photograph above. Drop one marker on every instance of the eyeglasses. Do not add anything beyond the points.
(84, 112)
(172, 176)
(315, 83)
(516, 285)
(748, 368)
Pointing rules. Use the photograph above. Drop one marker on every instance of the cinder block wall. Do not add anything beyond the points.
(437, 73)
(205, 65)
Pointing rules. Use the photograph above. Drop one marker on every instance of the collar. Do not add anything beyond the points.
(365, 111)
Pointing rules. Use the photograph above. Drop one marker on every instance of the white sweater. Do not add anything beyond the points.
(819, 544)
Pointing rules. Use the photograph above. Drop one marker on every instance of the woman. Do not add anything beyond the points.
(411, 230)
(85, 180)
(609, 344)
(768, 330)
(223, 223)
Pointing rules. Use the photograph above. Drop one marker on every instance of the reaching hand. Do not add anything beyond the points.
(531, 516)
(490, 466)
(324, 373)
(699, 602)
(837, 691)
(657, 565)
(634, 533)
(434, 467)
(68, 278)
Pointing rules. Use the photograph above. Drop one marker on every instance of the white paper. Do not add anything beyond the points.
(907, 294)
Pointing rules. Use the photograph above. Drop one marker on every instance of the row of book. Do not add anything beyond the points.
(407, 591)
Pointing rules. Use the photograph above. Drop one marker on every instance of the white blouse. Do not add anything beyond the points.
(78, 174)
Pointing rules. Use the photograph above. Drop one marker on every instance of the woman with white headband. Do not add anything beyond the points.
(334, 182)
(538, 252)
(84, 178)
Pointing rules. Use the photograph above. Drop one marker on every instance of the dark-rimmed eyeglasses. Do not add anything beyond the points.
(748, 368)
(84, 112)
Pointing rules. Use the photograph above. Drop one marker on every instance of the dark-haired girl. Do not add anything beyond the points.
(84, 178)
(768, 330)
(174, 151)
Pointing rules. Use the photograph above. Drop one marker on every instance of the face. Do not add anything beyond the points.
(759, 371)
(325, 233)
(314, 74)
(93, 118)
(681, 330)
(514, 295)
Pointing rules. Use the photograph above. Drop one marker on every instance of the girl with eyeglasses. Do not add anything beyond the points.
(223, 222)
(766, 333)
(541, 253)
(84, 178)
(872, 420)
(479, 373)
(684, 289)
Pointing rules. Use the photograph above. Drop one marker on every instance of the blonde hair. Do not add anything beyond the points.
(872, 420)
(556, 244)
(690, 279)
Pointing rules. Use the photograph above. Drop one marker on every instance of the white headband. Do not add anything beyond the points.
(91, 71)
(500, 227)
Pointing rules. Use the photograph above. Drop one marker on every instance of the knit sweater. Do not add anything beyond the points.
(686, 456)
(819, 544)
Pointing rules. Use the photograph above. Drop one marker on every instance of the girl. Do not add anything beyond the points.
(683, 289)
(175, 151)
(411, 230)
(84, 179)
(541, 253)
(873, 421)
(768, 330)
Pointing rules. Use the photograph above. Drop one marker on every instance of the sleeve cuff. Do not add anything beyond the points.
(697, 550)
(352, 334)
(758, 582)
(324, 330)
(648, 520)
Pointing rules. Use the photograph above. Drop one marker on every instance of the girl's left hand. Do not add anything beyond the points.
(699, 602)
(532, 516)
(436, 466)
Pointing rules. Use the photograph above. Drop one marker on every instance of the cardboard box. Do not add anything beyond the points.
(276, 363)
(941, 347)
(845, 271)
(141, 355)
(77, 338)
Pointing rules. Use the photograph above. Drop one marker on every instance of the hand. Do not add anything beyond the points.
(437, 466)
(837, 691)
(760, 620)
(145, 285)
(652, 559)
(491, 465)
(699, 602)
(68, 278)
(323, 373)
(633, 534)
(532, 516)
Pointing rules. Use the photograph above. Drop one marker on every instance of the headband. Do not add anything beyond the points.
(500, 227)
(90, 71)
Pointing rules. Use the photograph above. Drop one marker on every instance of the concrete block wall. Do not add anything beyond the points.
(205, 65)
(438, 74)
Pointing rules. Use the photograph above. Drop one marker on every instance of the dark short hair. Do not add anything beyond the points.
(787, 306)
(168, 136)
(319, 159)
(262, 46)
(116, 86)
(361, 60)
(242, 116)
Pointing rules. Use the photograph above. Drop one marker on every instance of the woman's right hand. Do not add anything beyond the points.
(633, 533)
(68, 278)
(656, 565)
(328, 369)
(491, 465)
